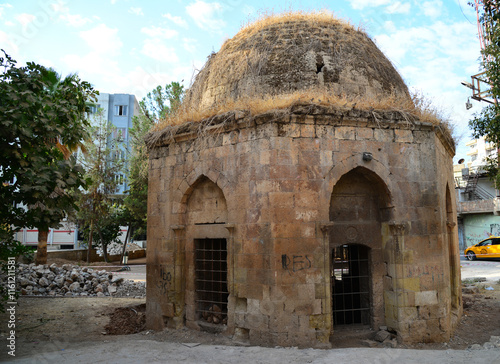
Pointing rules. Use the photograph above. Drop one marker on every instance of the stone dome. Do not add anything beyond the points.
(294, 52)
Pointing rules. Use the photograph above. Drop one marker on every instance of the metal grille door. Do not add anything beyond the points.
(350, 285)
(211, 280)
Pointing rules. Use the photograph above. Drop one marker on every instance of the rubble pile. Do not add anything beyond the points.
(72, 280)
(117, 248)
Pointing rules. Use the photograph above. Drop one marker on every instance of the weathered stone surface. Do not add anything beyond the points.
(282, 193)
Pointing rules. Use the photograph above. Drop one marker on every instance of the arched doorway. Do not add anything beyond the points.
(350, 284)
(360, 203)
(207, 256)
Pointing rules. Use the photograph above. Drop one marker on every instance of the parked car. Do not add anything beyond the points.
(487, 248)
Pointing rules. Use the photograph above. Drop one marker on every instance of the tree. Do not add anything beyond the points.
(487, 122)
(158, 104)
(103, 164)
(40, 115)
(161, 102)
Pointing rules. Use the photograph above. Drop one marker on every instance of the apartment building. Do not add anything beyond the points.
(118, 109)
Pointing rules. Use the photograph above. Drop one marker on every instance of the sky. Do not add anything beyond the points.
(131, 46)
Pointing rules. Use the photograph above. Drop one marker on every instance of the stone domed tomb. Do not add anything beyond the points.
(299, 191)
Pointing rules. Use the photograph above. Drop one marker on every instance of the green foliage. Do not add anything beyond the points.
(487, 122)
(40, 114)
(103, 165)
(106, 230)
(161, 102)
(156, 105)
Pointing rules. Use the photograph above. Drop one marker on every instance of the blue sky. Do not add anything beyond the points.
(131, 46)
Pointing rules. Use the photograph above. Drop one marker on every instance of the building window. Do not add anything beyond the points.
(120, 134)
(121, 110)
(120, 179)
(473, 157)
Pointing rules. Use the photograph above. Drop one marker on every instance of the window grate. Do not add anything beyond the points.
(350, 285)
(211, 280)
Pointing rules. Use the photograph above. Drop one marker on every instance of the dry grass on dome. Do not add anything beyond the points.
(249, 43)
(418, 106)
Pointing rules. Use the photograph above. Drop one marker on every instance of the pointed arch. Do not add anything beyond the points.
(359, 203)
(380, 173)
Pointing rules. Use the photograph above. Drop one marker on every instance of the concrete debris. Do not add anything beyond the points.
(70, 280)
(382, 335)
(117, 248)
(494, 343)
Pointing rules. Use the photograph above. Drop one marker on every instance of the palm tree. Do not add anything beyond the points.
(67, 144)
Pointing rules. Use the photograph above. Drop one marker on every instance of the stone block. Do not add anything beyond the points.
(403, 136)
(345, 132)
(426, 298)
(281, 199)
(364, 133)
(307, 131)
(253, 306)
(257, 322)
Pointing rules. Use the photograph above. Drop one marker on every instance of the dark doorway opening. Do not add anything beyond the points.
(211, 280)
(350, 277)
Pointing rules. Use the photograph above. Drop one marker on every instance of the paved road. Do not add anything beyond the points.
(489, 269)
(134, 350)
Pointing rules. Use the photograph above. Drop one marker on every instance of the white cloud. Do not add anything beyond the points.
(431, 58)
(432, 8)
(9, 43)
(399, 8)
(25, 19)
(158, 32)
(390, 26)
(59, 7)
(361, 4)
(3, 7)
(176, 19)
(156, 49)
(455, 40)
(248, 10)
(102, 39)
(136, 11)
(207, 16)
(94, 66)
(190, 44)
(75, 20)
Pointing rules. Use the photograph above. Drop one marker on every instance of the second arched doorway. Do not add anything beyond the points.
(360, 203)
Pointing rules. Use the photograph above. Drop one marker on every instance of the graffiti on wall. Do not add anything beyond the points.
(295, 263)
(495, 229)
(479, 227)
(163, 284)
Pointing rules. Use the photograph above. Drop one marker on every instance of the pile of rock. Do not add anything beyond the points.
(72, 280)
(117, 248)
(494, 343)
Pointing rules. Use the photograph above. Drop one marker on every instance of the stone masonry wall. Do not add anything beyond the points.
(276, 176)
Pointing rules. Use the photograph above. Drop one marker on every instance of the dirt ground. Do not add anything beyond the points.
(48, 322)
(54, 324)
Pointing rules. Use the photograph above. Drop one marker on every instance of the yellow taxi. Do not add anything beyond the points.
(487, 248)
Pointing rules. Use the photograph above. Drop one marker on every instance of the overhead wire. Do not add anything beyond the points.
(462, 10)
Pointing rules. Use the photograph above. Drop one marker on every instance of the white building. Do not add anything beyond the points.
(479, 150)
